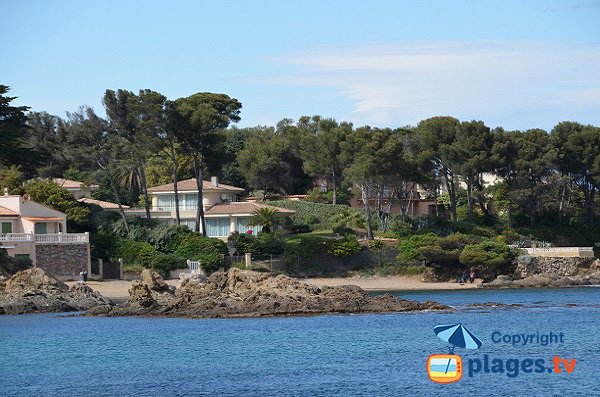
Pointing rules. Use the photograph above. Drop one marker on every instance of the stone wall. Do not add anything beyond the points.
(529, 266)
(62, 260)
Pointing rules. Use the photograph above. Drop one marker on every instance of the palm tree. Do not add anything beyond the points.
(348, 218)
(265, 217)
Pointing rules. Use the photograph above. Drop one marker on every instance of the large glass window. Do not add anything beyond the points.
(190, 223)
(166, 202)
(6, 227)
(218, 227)
(242, 226)
(190, 201)
(41, 228)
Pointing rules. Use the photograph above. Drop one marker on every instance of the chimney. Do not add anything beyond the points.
(5, 192)
(214, 181)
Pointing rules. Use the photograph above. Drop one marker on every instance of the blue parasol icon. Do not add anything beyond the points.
(457, 336)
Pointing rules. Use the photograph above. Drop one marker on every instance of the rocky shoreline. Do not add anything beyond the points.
(235, 293)
(242, 293)
(545, 280)
(34, 291)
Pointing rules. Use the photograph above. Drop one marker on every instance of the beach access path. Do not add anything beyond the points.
(119, 289)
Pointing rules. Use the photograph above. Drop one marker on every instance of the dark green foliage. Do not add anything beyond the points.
(399, 227)
(144, 254)
(209, 251)
(59, 198)
(104, 246)
(488, 253)
(262, 246)
(13, 128)
(9, 266)
(12, 179)
(306, 246)
(345, 247)
(319, 216)
(408, 248)
(445, 251)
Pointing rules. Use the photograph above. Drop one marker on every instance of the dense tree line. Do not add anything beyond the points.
(146, 139)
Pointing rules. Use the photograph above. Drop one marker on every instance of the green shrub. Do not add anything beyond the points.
(408, 248)
(344, 247)
(488, 253)
(305, 246)
(445, 251)
(138, 253)
(261, 246)
(103, 246)
(308, 213)
(399, 227)
(209, 251)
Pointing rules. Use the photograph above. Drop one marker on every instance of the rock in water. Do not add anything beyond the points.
(242, 293)
(34, 291)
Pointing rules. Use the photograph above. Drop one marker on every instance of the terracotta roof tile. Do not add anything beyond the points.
(71, 184)
(7, 212)
(44, 218)
(190, 185)
(242, 207)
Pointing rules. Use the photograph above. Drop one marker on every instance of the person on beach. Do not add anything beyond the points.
(463, 277)
(472, 276)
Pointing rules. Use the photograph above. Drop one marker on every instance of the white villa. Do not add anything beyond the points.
(30, 230)
(223, 213)
(76, 188)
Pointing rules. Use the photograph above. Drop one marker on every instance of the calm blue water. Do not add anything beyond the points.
(367, 355)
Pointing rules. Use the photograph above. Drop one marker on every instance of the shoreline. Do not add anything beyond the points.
(119, 289)
(390, 283)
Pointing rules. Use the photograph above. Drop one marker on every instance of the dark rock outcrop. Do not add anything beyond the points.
(545, 280)
(34, 291)
(242, 293)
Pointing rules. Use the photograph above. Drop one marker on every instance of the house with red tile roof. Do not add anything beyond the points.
(29, 230)
(76, 188)
(224, 214)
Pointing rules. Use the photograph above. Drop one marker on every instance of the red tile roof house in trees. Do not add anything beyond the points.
(223, 213)
(32, 231)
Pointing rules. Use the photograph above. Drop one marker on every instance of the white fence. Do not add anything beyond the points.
(54, 238)
(562, 252)
(16, 237)
(194, 266)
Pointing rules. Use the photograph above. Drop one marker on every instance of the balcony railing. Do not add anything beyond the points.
(54, 238)
(16, 237)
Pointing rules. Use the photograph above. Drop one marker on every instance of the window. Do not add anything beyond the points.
(218, 227)
(22, 257)
(190, 201)
(190, 223)
(242, 226)
(41, 228)
(166, 202)
(6, 227)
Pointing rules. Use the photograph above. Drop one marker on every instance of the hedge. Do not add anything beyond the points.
(209, 251)
(312, 214)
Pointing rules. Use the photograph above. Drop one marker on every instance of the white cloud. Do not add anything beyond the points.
(504, 83)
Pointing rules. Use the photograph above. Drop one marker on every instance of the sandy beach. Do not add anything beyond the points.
(389, 283)
(118, 289)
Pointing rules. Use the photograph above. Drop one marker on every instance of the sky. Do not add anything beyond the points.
(511, 63)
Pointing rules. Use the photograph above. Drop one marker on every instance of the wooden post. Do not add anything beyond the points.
(248, 259)
(120, 269)
(101, 268)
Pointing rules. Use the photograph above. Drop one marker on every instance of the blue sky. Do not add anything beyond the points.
(517, 64)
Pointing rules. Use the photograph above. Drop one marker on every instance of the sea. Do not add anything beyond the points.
(331, 355)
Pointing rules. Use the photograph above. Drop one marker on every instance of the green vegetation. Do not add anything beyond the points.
(545, 188)
(267, 218)
(315, 215)
(261, 247)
